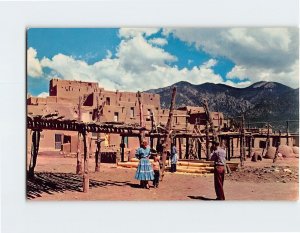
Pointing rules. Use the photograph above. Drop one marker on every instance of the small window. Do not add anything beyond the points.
(107, 101)
(116, 117)
(262, 144)
(58, 141)
(132, 112)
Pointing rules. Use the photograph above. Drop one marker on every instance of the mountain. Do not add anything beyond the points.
(262, 101)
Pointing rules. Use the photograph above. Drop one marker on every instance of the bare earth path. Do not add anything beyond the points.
(56, 180)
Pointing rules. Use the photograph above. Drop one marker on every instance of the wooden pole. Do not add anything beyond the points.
(228, 148)
(187, 146)
(79, 159)
(277, 148)
(98, 142)
(86, 164)
(242, 155)
(265, 149)
(250, 145)
(199, 150)
(98, 155)
(207, 140)
(167, 141)
(34, 151)
(141, 115)
(180, 149)
(210, 120)
(232, 149)
(152, 128)
(122, 149)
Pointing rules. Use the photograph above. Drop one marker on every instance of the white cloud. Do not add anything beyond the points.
(238, 72)
(108, 54)
(158, 41)
(133, 32)
(261, 74)
(34, 68)
(270, 53)
(141, 65)
(43, 94)
(137, 65)
(137, 55)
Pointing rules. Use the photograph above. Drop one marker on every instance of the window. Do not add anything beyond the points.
(262, 144)
(107, 101)
(116, 117)
(132, 112)
(58, 141)
(67, 139)
(149, 112)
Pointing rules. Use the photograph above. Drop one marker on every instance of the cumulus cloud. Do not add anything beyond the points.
(158, 41)
(238, 72)
(137, 55)
(34, 68)
(133, 32)
(137, 65)
(141, 64)
(258, 53)
(43, 94)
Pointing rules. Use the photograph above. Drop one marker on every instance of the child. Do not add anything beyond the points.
(156, 170)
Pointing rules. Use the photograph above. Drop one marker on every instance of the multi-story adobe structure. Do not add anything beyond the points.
(64, 97)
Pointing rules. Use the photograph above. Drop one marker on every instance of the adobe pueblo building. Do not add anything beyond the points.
(193, 128)
(87, 102)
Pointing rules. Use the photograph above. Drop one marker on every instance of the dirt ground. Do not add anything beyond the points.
(55, 179)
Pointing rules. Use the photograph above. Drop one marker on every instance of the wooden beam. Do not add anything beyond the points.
(34, 152)
(167, 139)
(250, 145)
(207, 141)
(122, 145)
(187, 146)
(180, 149)
(86, 164)
(141, 114)
(228, 148)
(78, 155)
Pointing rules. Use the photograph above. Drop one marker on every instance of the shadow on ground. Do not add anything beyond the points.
(202, 198)
(50, 183)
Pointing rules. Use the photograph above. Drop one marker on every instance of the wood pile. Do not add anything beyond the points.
(199, 167)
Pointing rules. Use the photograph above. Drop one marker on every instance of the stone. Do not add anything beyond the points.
(287, 170)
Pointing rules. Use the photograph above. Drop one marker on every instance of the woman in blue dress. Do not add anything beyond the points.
(144, 171)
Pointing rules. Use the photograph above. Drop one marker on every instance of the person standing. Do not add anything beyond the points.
(219, 157)
(144, 171)
(156, 169)
(173, 158)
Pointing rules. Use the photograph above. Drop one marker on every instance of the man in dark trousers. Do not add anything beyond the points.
(218, 155)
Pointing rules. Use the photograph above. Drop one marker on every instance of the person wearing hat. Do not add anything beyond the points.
(218, 155)
(144, 171)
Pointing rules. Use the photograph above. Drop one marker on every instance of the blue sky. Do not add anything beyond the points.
(144, 58)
